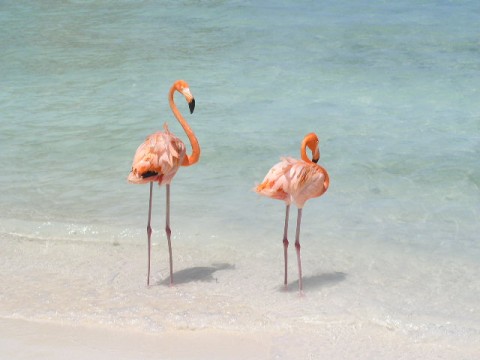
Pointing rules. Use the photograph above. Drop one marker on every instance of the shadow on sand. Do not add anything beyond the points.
(197, 273)
(317, 281)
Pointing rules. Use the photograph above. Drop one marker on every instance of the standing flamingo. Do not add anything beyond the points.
(296, 181)
(158, 160)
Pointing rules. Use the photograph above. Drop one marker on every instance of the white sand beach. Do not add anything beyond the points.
(25, 340)
(80, 300)
(33, 340)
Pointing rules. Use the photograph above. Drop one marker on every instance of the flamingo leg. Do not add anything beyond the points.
(169, 233)
(297, 247)
(285, 242)
(149, 233)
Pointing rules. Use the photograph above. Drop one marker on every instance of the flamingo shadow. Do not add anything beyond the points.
(317, 281)
(197, 273)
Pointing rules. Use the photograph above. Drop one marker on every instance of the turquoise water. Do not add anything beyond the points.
(391, 89)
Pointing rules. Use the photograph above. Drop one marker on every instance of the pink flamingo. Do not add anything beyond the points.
(158, 160)
(296, 181)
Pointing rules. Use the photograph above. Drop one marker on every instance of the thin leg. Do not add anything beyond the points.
(169, 233)
(297, 246)
(149, 233)
(285, 243)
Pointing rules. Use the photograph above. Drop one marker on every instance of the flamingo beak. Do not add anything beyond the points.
(190, 99)
(316, 155)
(191, 105)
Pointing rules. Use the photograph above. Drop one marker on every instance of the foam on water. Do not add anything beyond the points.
(392, 91)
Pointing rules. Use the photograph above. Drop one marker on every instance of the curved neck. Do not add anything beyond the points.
(303, 151)
(193, 158)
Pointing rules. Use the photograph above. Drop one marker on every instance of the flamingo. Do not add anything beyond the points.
(158, 159)
(296, 181)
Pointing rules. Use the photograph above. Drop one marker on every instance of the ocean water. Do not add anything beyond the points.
(392, 90)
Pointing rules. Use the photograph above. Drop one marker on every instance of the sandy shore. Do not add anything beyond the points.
(88, 300)
(27, 340)
(21, 339)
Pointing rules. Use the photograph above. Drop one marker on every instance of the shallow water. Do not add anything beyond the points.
(391, 90)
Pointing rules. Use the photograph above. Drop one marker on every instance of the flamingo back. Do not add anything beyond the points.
(157, 158)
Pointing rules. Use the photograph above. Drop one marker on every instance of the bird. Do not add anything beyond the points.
(296, 181)
(158, 159)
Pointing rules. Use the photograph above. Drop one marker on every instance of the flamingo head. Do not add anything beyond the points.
(183, 88)
(312, 142)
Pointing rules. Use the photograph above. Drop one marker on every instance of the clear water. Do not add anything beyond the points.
(391, 89)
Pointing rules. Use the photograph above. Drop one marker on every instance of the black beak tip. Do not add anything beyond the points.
(315, 160)
(191, 105)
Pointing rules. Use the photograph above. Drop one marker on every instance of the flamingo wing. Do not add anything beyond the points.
(276, 184)
(157, 158)
(306, 181)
